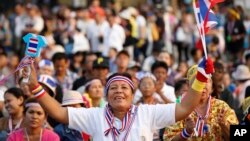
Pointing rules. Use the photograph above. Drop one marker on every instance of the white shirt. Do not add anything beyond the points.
(149, 118)
(93, 32)
(168, 92)
(113, 37)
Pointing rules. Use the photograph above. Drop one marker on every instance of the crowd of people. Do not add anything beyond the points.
(129, 73)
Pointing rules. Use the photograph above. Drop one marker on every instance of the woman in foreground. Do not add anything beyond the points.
(120, 119)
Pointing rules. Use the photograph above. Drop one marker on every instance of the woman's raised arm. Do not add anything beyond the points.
(50, 105)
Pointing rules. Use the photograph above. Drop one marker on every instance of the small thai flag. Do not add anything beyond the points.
(33, 43)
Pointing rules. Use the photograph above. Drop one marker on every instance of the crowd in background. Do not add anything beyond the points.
(88, 44)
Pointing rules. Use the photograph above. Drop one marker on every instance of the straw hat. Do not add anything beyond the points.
(71, 97)
(192, 71)
(242, 73)
(234, 13)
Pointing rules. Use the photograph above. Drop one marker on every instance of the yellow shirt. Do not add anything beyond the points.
(214, 132)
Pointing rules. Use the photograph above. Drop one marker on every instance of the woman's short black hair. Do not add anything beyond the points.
(17, 92)
(159, 64)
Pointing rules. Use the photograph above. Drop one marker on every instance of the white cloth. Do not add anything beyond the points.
(114, 37)
(93, 32)
(36, 22)
(148, 62)
(149, 118)
(19, 25)
(80, 43)
(168, 92)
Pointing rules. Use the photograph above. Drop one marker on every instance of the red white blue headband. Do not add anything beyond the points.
(32, 104)
(119, 78)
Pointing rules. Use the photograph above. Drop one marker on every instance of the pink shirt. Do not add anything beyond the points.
(47, 135)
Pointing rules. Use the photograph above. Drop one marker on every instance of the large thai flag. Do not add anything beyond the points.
(33, 43)
(205, 17)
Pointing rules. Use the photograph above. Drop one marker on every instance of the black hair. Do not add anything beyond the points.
(59, 56)
(218, 65)
(17, 92)
(123, 52)
(178, 85)
(31, 100)
(215, 40)
(3, 54)
(159, 64)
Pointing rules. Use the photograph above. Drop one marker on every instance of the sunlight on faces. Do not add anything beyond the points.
(35, 116)
(95, 89)
(12, 104)
(120, 95)
(147, 87)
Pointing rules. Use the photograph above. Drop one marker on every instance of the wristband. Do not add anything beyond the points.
(198, 86)
(38, 91)
(185, 134)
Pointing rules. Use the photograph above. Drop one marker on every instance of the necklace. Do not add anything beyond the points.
(17, 125)
(27, 136)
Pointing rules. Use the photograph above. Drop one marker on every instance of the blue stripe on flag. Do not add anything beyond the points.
(33, 45)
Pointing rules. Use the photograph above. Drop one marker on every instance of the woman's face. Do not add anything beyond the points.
(35, 116)
(95, 89)
(207, 90)
(147, 87)
(12, 103)
(120, 95)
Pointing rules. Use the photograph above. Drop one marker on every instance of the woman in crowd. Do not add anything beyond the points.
(13, 100)
(94, 93)
(147, 86)
(210, 120)
(120, 119)
(33, 130)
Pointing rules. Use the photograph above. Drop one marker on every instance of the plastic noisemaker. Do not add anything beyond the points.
(34, 45)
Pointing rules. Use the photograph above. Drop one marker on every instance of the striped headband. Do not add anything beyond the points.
(90, 82)
(119, 78)
(33, 104)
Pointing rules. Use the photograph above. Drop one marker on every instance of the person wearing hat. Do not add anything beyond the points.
(120, 119)
(234, 32)
(46, 67)
(53, 89)
(70, 99)
(242, 76)
(210, 120)
(101, 69)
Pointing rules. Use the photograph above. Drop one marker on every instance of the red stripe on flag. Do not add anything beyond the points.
(33, 39)
(33, 51)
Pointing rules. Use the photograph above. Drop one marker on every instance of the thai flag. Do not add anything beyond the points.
(33, 43)
(205, 17)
